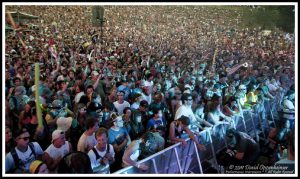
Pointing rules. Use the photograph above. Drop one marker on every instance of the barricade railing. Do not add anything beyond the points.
(177, 159)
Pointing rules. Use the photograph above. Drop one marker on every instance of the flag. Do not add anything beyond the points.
(52, 49)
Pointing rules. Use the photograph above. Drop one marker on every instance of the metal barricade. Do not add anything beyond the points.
(177, 159)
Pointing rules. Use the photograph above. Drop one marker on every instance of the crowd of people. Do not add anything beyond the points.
(157, 73)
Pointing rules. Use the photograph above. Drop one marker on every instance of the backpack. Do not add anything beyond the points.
(96, 153)
(99, 168)
(15, 155)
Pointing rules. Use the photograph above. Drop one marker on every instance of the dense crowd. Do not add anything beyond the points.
(157, 72)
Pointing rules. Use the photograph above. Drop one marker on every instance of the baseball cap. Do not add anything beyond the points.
(57, 103)
(34, 166)
(242, 87)
(20, 90)
(95, 73)
(64, 123)
(20, 132)
(57, 134)
(144, 103)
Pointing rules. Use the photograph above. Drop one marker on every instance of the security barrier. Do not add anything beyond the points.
(177, 159)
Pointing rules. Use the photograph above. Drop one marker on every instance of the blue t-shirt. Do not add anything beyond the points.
(117, 137)
(155, 123)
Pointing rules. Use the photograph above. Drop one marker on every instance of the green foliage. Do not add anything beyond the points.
(269, 17)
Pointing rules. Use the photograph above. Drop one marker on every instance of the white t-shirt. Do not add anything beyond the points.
(272, 87)
(86, 142)
(56, 153)
(136, 153)
(287, 104)
(121, 107)
(78, 96)
(187, 111)
(148, 83)
(95, 163)
(26, 158)
(147, 98)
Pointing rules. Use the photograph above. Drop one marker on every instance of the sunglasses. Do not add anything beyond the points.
(190, 99)
(25, 138)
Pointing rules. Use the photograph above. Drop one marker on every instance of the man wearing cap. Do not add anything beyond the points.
(146, 94)
(57, 150)
(24, 153)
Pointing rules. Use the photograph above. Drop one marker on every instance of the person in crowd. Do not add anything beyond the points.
(133, 151)
(289, 160)
(38, 167)
(120, 139)
(137, 99)
(158, 104)
(120, 104)
(56, 151)
(87, 140)
(26, 115)
(137, 128)
(143, 111)
(9, 143)
(200, 116)
(18, 160)
(94, 109)
(233, 108)
(243, 149)
(125, 87)
(186, 110)
(215, 114)
(102, 154)
(157, 120)
(176, 130)
(57, 110)
(75, 162)
(127, 119)
(98, 84)
(17, 103)
(92, 95)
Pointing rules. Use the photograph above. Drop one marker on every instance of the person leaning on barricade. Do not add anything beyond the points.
(144, 146)
(176, 130)
(241, 149)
